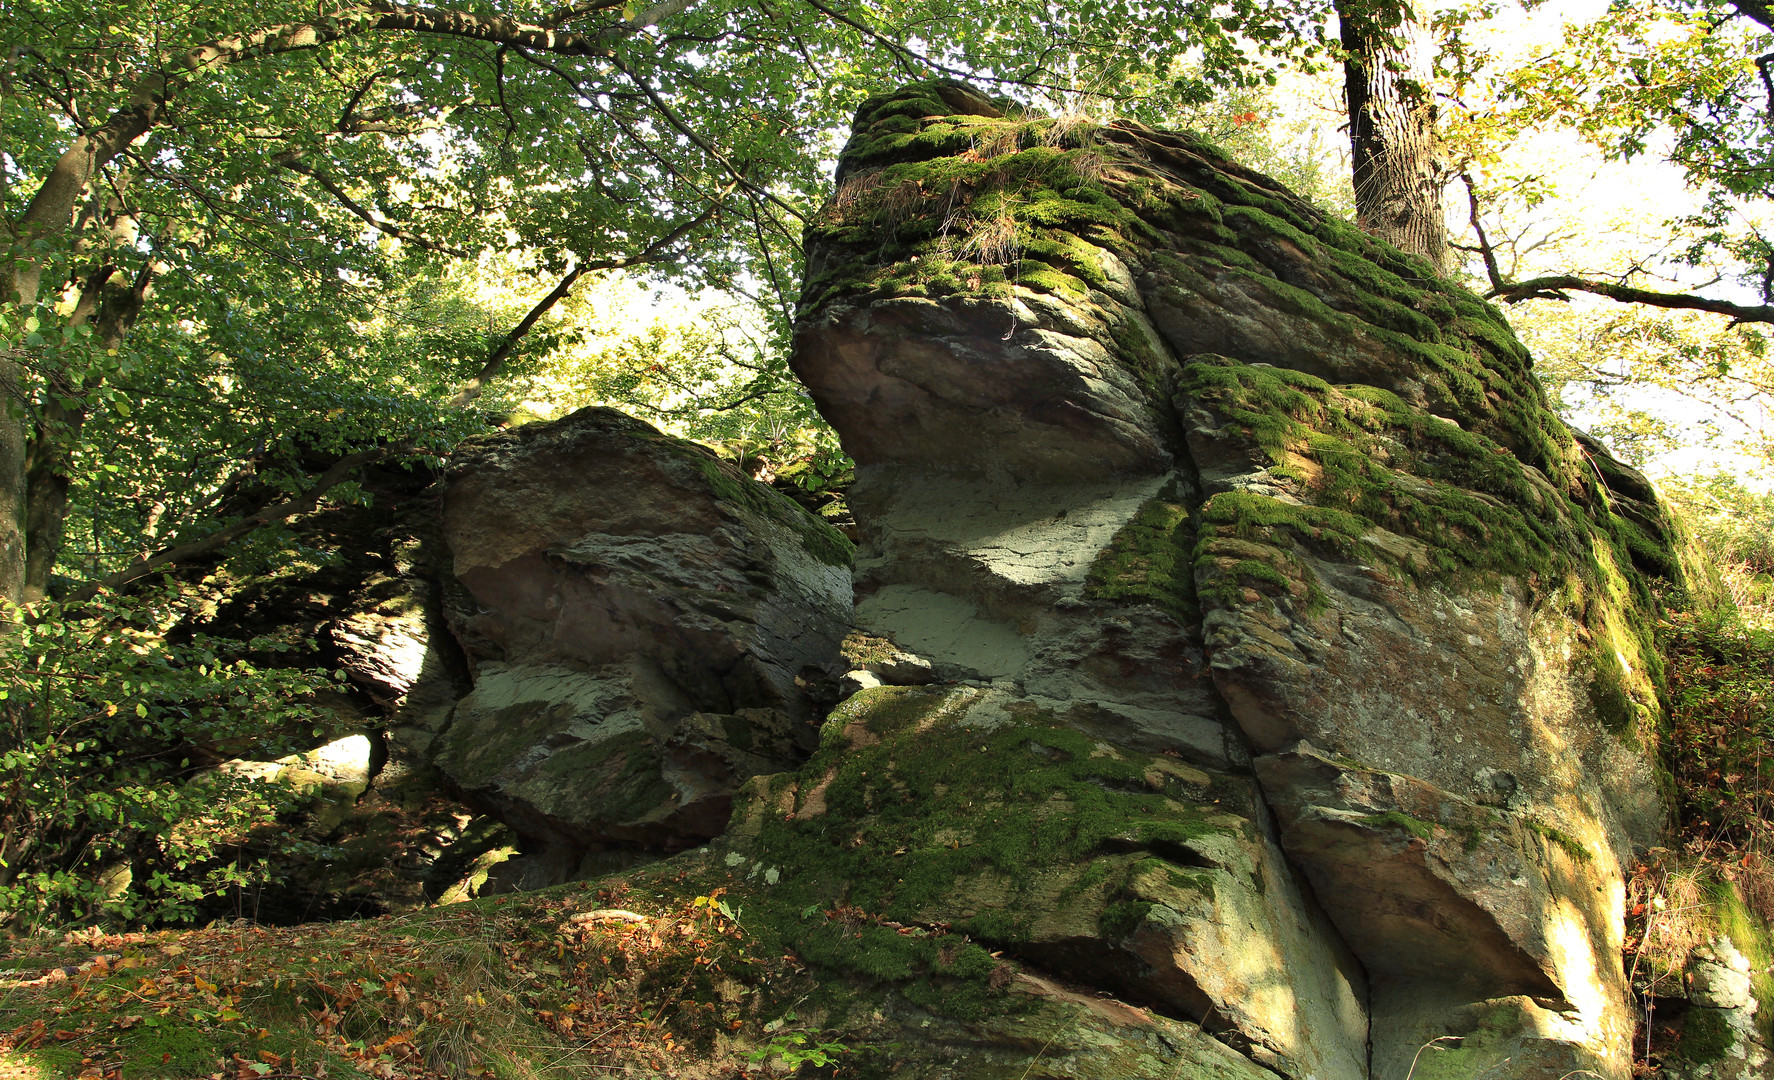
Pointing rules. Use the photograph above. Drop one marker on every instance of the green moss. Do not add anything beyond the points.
(1120, 919)
(1378, 462)
(1706, 1036)
(884, 710)
(172, 1049)
(1755, 941)
(1148, 560)
(1258, 570)
(924, 817)
(1571, 845)
(1403, 822)
(1608, 692)
(1501, 493)
(1482, 1051)
(820, 540)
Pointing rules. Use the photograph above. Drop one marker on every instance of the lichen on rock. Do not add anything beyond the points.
(641, 618)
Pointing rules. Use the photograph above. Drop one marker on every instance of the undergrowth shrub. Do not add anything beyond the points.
(108, 809)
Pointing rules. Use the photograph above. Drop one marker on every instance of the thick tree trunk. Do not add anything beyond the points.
(12, 485)
(112, 309)
(1398, 180)
(49, 215)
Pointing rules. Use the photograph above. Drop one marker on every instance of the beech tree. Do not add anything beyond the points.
(1690, 79)
(1389, 92)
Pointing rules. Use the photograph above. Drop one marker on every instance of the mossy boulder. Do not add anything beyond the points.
(642, 620)
(1149, 443)
(982, 813)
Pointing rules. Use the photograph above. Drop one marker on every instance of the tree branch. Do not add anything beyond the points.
(496, 362)
(1484, 244)
(737, 172)
(52, 206)
(376, 221)
(1554, 288)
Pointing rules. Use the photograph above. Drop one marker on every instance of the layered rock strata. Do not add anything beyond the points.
(1298, 657)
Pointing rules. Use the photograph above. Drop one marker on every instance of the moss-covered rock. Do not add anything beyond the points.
(1140, 432)
(640, 615)
(988, 815)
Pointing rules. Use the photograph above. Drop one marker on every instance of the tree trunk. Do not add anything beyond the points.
(51, 215)
(112, 309)
(12, 484)
(1387, 85)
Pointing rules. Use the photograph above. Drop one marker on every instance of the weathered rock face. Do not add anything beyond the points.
(1298, 654)
(641, 619)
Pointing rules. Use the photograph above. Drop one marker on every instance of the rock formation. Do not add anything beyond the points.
(1248, 674)
(1300, 657)
(358, 589)
(643, 620)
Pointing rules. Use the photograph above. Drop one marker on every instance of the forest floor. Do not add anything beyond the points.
(577, 980)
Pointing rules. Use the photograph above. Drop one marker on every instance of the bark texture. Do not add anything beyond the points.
(1398, 180)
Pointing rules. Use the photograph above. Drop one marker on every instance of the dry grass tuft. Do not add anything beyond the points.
(992, 242)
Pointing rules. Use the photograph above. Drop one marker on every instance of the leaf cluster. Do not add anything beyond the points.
(105, 726)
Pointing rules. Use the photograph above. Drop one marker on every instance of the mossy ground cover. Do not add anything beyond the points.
(502, 987)
(1719, 877)
(915, 815)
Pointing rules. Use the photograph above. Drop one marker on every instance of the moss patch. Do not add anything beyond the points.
(1564, 840)
(819, 539)
(1706, 1036)
(1148, 560)
(1356, 459)
(1403, 822)
(916, 815)
(947, 195)
(1755, 940)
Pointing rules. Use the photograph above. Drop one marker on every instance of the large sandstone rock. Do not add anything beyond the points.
(642, 620)
(1302, 656)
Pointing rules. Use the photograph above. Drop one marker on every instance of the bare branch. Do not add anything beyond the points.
(496, 362)
(736, 171)
(1484, 243)
(1554, 288)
